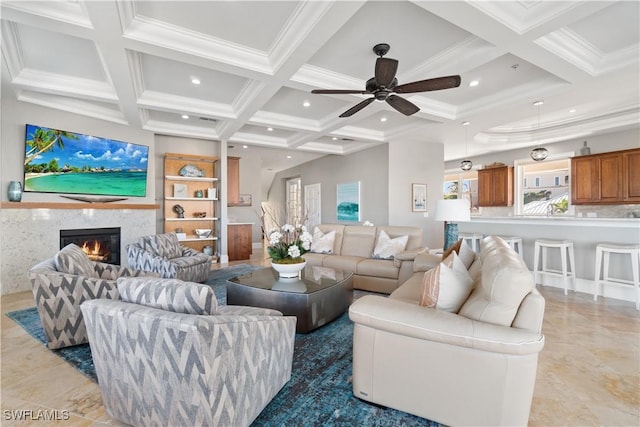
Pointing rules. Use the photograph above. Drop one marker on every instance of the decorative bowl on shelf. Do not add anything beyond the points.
(203, 233)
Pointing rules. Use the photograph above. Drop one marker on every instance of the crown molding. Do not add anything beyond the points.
(180, 105)
(42, 81)
(72, 105)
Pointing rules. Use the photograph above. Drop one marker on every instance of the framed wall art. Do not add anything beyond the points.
(348, 202)
(418, 197)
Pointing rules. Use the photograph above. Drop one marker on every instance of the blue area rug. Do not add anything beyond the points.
(319, 392)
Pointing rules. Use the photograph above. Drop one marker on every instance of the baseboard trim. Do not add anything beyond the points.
(618, 291)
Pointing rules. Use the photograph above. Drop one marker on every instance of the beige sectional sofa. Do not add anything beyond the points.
(474, 367)
(353, 249)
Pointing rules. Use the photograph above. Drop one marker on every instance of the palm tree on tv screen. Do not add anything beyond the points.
(44, 140)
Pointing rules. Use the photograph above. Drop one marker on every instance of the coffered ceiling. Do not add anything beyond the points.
(256, 62)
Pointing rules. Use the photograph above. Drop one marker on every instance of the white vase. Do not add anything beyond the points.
(288, 270)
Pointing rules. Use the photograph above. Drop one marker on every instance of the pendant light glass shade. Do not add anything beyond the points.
(539, 153)
(466, 164)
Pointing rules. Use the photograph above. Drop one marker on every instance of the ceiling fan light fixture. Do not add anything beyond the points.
(384, 86)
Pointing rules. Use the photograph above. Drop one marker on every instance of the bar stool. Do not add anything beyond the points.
(565, 246)
(473, 239)
(515, 243)
(603, 250)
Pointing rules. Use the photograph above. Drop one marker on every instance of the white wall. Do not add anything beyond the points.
(370, 167)
(386, 173)
(416, 162)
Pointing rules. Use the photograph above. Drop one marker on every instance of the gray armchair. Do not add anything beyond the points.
(168, 355)
(60, 284)
(163, 254)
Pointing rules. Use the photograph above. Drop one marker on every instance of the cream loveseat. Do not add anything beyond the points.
(474, 367)
(353, 249)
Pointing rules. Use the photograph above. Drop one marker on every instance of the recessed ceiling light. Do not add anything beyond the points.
(288, 157)
(270, 129)
(466, 123)
(383, 119)
(195, 80)
(184, 116)
(245, 146)
(473, 83)
(335, 138)
(537, 103)
(573, 110)
(306, 104)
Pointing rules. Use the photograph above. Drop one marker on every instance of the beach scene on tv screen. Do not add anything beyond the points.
(66, 162)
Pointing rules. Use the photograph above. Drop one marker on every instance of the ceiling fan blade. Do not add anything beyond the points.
(351, 111)
(338, 91)
(405, 107)
(385, 71)
(438, 83)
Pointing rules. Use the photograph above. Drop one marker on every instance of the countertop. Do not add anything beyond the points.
(240, 223)
(633, 223)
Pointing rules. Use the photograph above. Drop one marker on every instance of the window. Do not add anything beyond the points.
(550, 193)
(294, 201)
(462, 185)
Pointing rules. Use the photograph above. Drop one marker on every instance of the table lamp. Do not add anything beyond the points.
(452, 211)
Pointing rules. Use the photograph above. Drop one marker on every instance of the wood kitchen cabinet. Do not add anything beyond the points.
(495, 186)
(606, 179)
(233, 181)
(239, 241)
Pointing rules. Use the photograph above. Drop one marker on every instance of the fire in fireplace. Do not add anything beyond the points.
(100, 244)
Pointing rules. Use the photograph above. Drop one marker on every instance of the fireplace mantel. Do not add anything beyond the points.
(61, 205)
(31, 232)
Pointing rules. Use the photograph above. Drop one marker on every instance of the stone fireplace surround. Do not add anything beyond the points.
(31, 233)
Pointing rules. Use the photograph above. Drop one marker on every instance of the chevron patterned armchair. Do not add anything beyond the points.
(60, 284)
(167, 354)
(163, 254)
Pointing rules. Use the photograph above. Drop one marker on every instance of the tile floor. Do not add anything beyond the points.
(588, 373)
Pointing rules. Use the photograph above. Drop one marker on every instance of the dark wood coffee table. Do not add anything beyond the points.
(317, 297)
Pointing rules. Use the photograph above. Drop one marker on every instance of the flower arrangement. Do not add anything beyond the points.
(288, 244)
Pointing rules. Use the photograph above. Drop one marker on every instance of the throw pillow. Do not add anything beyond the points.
(387, 248)
(466, 254)
(322, 243)
(73, 260)
(168, 294)
(447, 286)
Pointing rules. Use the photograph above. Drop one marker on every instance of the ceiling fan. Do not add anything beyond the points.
(384, 86)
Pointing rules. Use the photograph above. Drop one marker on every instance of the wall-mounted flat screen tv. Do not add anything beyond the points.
(58, 161)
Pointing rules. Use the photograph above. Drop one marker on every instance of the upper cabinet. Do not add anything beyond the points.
(495, 186)
(233, 181)
(607, 178)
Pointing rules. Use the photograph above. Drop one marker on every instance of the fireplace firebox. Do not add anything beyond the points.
(100, 244)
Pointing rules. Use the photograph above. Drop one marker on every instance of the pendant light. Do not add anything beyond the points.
(539, 153)
(466, 164)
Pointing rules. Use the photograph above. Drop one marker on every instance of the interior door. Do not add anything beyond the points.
(312, 205)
